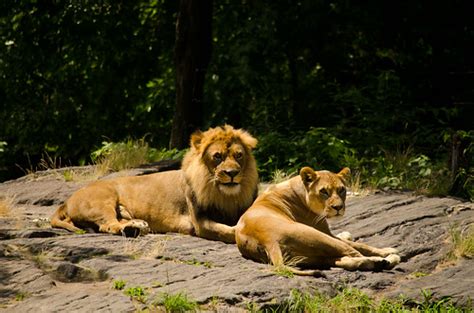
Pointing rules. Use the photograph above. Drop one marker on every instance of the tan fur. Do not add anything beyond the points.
(216, 184)
(288, 222)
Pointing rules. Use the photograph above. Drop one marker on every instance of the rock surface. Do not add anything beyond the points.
(47, 270)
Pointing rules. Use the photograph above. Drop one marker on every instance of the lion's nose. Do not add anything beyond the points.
(232, 173)
(337, 207)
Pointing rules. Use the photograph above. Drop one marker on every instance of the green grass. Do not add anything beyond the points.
(21, 295)
(176, 302)
(283, 271)
(116, 156)
(462, 243)
(198, 263)
(137, 293)
(354, 300)
(119, 284)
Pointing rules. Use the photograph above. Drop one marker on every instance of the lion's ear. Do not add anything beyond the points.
(196, 139)
(308, 175)
(248, 140)
(345, 173)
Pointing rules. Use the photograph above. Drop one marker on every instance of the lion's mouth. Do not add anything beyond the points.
(230, 184)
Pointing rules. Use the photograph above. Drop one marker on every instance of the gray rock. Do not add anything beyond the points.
(52, 270)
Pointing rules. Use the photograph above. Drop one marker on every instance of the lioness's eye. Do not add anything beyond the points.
(238, 155)
(217, 157)
(324, 192)
(342, 192)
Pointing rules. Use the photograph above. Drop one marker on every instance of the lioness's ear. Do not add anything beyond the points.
(345, 173)
(196, 138)
(308, 175)
(248, 140)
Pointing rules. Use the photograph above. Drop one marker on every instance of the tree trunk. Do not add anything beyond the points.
(192, 55)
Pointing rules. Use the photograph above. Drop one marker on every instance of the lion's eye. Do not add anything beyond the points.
(238, 155)
(217, 157)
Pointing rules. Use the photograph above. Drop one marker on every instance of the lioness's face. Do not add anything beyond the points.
(326, 191)
(226, 161)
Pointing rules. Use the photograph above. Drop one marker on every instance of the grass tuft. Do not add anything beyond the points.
(119, 284)
(116, 156)
(462, 243)
(6, 205)
(354, 300)
(137, 293)
(176, 302)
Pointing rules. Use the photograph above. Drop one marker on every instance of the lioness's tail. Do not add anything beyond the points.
(60, 219)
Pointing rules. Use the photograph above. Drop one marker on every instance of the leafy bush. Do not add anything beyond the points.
(318, 148)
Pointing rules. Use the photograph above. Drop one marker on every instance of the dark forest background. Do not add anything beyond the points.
(385, 87)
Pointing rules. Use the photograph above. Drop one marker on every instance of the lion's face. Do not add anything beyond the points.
(225, 161)
(325, 191)
(225, 153)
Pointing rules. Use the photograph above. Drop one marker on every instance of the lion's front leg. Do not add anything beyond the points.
(209, 229)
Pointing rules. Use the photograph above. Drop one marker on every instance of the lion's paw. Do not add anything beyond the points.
(345, 235)
(135, 228)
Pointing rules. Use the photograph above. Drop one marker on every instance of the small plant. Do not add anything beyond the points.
(198, 263)
(284, 271)
(6, 205)
(279, 176)
(462, 243)
(176, 303)
(20, 296)
(68, 175)
(118, 284)
(80, 232)
(418, 274)
(137, 293)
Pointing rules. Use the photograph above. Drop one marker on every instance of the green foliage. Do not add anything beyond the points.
(326, 84)
(462, 242)
(137, 293)
(119, 284)
(318, 147)
(176, 302)
(116, 156)
(354, 300)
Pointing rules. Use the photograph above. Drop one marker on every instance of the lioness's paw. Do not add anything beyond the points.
(387, 251)
(345, 235)
(393, 259)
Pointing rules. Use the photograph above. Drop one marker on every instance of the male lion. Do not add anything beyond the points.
(288, 223)
(217, 182)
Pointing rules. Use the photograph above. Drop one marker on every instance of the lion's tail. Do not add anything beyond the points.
(60, 219)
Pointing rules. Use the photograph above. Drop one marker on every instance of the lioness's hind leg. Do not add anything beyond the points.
(369, 250)
(368, 263)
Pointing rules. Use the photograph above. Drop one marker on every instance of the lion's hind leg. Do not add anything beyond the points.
(127, 228)
(60, 219)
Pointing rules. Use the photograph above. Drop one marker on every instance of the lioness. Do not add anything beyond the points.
(288, 223)
(216, 184)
